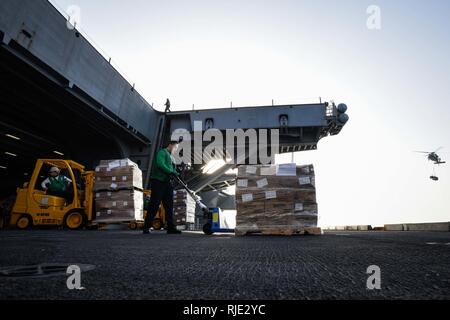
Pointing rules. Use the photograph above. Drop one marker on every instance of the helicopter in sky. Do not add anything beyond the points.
(433, 156)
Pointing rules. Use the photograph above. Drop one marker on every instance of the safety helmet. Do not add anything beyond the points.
(54, 169)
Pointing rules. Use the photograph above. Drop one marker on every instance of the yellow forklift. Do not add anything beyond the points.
(33, 207)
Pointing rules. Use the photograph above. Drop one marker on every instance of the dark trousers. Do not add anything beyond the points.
(161, 192)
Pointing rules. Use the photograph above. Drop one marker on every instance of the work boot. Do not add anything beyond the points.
(173, 231)
(145, 231)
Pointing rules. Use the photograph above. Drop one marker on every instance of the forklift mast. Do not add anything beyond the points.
(88, 204)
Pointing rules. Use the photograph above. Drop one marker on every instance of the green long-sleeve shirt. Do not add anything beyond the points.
(163, 166)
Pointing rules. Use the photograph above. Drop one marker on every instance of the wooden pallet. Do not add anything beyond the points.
(118, 189)
(130, 224)
(279, 231)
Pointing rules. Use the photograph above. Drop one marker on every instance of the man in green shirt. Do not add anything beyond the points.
(161, 187)
(58, 185)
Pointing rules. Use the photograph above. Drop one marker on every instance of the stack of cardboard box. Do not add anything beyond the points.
(183, 208)
(119, 205)
(275, 199)
(117, 175)
(119, 194)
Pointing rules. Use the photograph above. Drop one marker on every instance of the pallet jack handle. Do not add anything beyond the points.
(197, 199)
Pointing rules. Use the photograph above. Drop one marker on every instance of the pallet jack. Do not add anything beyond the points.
(212, 214)
(213, 223)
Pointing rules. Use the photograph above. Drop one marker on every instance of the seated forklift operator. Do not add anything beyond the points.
(162, 189)
(57, 185)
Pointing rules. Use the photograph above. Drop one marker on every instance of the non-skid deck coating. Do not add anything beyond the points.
(129, 265)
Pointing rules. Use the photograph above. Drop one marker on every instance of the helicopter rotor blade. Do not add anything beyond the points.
(438, 149)
(422, 152)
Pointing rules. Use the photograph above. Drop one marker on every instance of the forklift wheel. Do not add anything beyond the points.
(207, 229)
(24, 222)
(133, 225)
(157, 224)
(74, 220)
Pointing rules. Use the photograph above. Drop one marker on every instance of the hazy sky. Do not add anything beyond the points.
(395, 82)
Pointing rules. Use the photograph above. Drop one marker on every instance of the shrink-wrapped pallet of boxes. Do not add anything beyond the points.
(183, 208)
(117, 175)
(119, 206)
(276, 199)
(118, 191)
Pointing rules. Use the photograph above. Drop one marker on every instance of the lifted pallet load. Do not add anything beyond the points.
(116, 175)
(118, 192)
(276, 200)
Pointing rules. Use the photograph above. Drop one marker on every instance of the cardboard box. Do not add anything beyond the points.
(183, 208)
